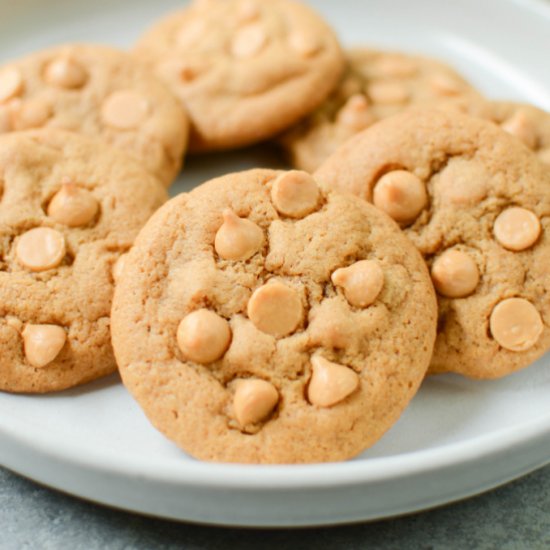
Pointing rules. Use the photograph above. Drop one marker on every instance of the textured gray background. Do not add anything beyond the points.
(516, 516)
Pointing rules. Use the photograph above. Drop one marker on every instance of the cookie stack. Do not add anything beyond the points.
(267, 316)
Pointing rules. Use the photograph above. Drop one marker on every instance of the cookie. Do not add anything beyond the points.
(262, 320)
(244, 69)
(528, 123)
(99, 92)
(377, 84)
(476, 203)
(69, 207)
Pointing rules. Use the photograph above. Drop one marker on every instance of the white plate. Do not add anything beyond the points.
(458, 438)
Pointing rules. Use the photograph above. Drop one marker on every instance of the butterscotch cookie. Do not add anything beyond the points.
(100, 92)
(377, 84)
(244, 69)
(69, 207)
(260, 319)
(476, 203)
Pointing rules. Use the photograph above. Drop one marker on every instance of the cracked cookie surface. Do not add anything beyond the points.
(69, 207)
(99, 92)
(262, 320)
(476, 203)
(244, 69)
(377, 84)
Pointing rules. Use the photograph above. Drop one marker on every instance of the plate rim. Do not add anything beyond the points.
(194, 473)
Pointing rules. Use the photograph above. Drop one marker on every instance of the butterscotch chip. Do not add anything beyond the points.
(446, 84)
(392, 82)
(11, 83)
(275, 309)
(249, 41)
(203, 336)
(34, 113)
(356, 113)
(43, 343)
(118, 267)
(73, 206)
(125, 110)
(263, 67)
(401, 195)
(40, 249)
(521, 127)
(237, 238)
(517, 229)
(516, 324)
(295, 194)
(57, 253)
(463, 182)
(254, 401)
(247, 10)
(300, 357)
(455, 274)
(99, 92)
(306, 45)
(479, 247)
(362, 282)
(330, 383)
(65, 72)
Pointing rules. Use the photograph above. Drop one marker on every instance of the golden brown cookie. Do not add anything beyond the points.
(260, 319)
(476, 203)
(100, 92)
(377, 84)
(69, 207)
(244, 69)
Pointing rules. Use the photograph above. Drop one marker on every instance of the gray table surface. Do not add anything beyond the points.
(516, 516)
